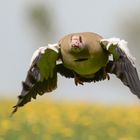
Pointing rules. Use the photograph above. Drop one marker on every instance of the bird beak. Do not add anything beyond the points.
(76, 41)
(75, 44)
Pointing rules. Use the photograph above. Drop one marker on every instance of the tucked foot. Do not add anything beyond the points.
(105, 74)
(77, 80)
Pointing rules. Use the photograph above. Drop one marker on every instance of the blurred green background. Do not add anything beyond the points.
(29, 24)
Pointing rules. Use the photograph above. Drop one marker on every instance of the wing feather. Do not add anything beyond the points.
(41, 77)
(125, 70)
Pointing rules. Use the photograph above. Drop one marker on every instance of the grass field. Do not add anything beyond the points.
(49, 120)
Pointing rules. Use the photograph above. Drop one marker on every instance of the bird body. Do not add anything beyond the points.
(88, 60)
(85, 58)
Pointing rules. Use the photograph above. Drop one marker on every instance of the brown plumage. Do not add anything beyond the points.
(82, 56)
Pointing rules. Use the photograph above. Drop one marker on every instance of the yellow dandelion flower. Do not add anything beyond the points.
(5, 125)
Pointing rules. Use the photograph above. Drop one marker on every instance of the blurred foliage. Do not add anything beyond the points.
(41, 22)
(40, 18)
(49, 120)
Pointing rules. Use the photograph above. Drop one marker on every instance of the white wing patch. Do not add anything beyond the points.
(122, 44)
(37, 52)
(54, 47)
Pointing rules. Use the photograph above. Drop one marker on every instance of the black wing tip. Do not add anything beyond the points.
(15, 108)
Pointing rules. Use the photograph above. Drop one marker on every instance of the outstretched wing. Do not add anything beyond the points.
(41, 76)
(123, 64)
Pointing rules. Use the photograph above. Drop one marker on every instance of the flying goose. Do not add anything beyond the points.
(85, 57)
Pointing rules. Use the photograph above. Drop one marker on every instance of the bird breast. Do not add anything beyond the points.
(87, 61)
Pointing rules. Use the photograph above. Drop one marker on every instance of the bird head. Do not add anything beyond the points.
(76, 43)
